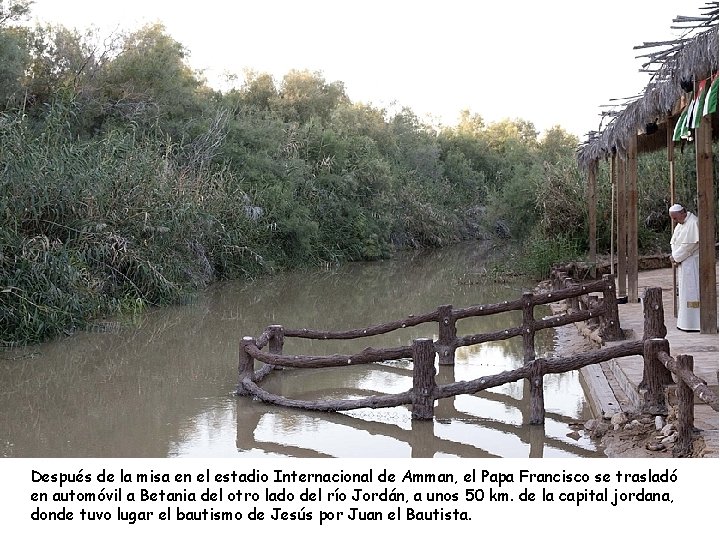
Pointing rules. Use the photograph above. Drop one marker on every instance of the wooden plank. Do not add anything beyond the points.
(632, 220)
(707, 223)
(621, 226)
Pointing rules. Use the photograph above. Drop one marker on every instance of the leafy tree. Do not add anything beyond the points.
(150, 82)
(258, 92)
(556, 144)
(304, 95)
(14, 59)
(13, 10)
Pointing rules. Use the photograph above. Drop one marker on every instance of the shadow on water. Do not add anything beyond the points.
(162, 386)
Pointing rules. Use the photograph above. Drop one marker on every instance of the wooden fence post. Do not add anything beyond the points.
(246, 366)
(686, 410)
(528, 327)
(654, 327)
(447, 336)
(653, 314)
(423, 353)
(611, 330)
(654, 376)
(537, 399)
(277, 340)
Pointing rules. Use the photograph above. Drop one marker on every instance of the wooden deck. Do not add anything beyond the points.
(613, 386)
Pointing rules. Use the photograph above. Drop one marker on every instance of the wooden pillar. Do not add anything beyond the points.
(621, 224)
(447, 336)
(613, 206)
(707, 221)
(592, 216)
(632, 220)
(671, 161)
(423, 400)
(686, 410)
(246, 366)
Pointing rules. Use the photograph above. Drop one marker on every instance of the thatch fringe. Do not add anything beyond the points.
(689, 59)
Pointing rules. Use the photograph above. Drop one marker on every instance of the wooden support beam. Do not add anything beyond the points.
(671, 161)
(707, 221)
(632, 220)
(592, 216)
(621, 224)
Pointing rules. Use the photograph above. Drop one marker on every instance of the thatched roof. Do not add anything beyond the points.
(691, 58)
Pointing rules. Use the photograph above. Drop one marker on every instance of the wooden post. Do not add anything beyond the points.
(707, 222)
(686, 410)
(537, 399)
(446, 336)
(611, 330)
(632, 220)
(528, 328)
(277, 340)
(653, 314)
(671, 160)
(654, 377)
(423, 353)
(621, 226)
(592, 216)
(246, 366)
(654, 327)
(613, 187)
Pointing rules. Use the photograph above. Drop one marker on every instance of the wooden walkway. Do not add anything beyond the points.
(613, 387)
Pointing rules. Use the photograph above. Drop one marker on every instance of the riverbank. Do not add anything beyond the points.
(612, 387)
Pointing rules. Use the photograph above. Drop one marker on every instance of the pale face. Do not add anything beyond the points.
(679, 217)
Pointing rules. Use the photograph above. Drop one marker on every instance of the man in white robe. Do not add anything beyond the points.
(685, 247)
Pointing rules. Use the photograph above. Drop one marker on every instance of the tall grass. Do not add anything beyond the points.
(91, 226)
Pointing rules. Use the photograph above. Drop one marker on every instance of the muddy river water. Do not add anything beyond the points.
(161, 385)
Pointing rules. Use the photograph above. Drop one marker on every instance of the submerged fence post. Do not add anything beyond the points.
(686, 409)
(447, 336)
(611, 330)
(277, 340)
(246, 366)
(528, 327)
(654, 377)
(423, 392)
(537, 395)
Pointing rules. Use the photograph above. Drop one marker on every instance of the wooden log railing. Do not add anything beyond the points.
(424, 391)
(608, 320)
(659, 368)
(659, 365)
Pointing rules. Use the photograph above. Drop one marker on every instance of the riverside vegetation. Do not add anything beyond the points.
(125, 181)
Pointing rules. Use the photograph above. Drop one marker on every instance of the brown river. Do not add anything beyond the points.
(161, 384)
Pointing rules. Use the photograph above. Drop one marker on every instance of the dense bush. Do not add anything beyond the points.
(126, 182)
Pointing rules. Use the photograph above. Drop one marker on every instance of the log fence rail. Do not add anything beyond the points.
(425, 391)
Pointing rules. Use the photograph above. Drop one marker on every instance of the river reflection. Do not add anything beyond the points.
(163, 385)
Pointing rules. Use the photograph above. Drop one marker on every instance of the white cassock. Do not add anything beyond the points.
(685, 248)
